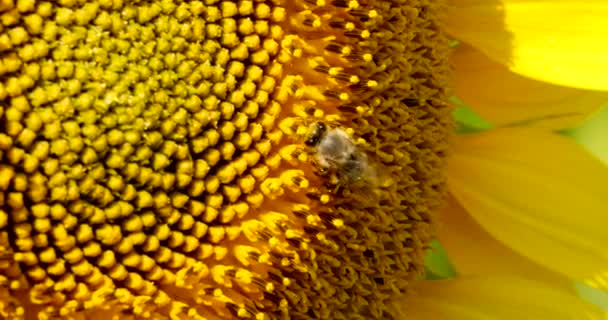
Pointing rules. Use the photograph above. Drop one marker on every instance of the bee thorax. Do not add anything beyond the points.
(337, 153)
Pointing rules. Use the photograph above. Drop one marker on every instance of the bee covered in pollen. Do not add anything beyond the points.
(337, 154)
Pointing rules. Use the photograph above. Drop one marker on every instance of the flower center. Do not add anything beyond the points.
(218, 159)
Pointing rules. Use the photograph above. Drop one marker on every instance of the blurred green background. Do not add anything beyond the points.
(593, 134)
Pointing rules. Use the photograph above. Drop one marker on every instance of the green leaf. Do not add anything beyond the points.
(593, 295)
(468, 121)
(437, 263)
(593, 134)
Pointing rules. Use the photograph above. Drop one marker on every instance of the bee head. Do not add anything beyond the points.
(315, 134)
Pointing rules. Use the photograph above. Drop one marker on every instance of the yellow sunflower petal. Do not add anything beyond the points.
(558, 41)
(503, 97)
(473, 251)
(539, 193)
(496, 298)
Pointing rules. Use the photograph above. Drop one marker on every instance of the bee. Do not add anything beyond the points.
(337, 154)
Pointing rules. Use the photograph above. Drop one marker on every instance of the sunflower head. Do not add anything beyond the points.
(155, 164)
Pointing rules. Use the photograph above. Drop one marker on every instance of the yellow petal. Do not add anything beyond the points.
(539, 193)
(493, 298)
(473, 251)
(503, 97)
(558, 41)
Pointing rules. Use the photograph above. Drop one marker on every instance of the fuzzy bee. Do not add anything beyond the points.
(338, 155)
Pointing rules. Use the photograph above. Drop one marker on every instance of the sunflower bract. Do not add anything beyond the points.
(152, 162)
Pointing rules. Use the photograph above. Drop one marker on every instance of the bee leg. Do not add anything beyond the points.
(321, 171)
(338, 188)
(334, 181)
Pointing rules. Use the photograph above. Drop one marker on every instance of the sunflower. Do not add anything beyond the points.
(279, 160)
